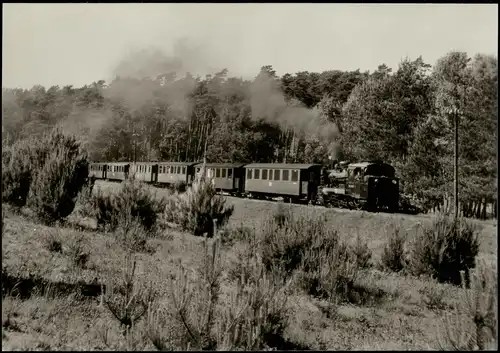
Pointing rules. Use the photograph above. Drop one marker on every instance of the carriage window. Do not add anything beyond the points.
(178, 170)
(276, 174)
(183, 170)
(229, 173)
(249, 174)
(295, 175)
(197, 170)
(223, 173)
(270, 174)
(257, 174)
(285, 175)
(217, 172)
(264, 174)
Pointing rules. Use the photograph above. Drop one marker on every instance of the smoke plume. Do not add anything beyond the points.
(268, 102)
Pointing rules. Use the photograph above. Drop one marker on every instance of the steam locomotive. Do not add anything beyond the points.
(368, 185)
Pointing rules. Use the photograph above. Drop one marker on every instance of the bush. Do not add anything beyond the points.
(127, 299)
(53, 241)
(393, 256)
(133, 201)
(196, 209)
(361, 252)
(232, 235)
(180, 186)
(473, 324)
(285, 243)
(306, 247)
(253, 319)
(20, 164)
(84, 206)
(281, 215)
(444, 249)
(56, 186)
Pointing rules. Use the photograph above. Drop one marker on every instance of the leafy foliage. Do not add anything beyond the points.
(64, 173)
(199, 207)
(394, 256)
(444, 249)
(133, 202)
(403, 116)
(304, 247)
(20, 165)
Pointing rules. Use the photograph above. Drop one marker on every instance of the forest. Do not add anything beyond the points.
(404, 116)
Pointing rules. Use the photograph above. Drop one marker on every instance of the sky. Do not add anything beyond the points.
(77, 44)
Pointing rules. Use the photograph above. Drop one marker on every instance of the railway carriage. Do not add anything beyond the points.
(98, 170)
(229, 177)
(291, 181)
(144, 171)
(118, 170)
(173, 172)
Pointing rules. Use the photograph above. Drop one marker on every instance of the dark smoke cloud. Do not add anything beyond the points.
(134, 91)
(268, 102)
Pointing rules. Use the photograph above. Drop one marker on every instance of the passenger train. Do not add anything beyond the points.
(368, 185)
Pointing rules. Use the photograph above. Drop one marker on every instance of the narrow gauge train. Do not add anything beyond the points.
(367, 185)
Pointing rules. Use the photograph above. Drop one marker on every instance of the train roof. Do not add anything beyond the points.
(220, 165)
(178, 163)
(281, 165)
(365, 164)
(121, 163)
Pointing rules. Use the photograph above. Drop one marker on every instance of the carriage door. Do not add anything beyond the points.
(104, 171)
(154, 173)
(312, 186)
(126, 169)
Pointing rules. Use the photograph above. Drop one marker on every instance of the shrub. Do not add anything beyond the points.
(393, 256)
(133, 201)
(329, 273)
(180, 186)
(196, 209)
(131, 235)
(77, 251)
(128, 300)
(434, 296)
(281, 215)
(53, 241)
(444, 249)
(285, 244)
(20, 164)
(55, 187)
(306, 247)
(254, 318)
(473, 324)
(232, 235)
(84, 206)
(361, 252)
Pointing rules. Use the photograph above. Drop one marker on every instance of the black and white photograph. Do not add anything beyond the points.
(249, 176)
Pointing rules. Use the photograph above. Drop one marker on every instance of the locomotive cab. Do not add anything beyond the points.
(373, 184)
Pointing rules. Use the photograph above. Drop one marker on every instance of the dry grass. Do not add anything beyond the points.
(405, 312)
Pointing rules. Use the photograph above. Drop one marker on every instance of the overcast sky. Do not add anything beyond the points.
(59, 44)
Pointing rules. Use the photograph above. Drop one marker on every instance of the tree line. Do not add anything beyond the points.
(404, 117)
